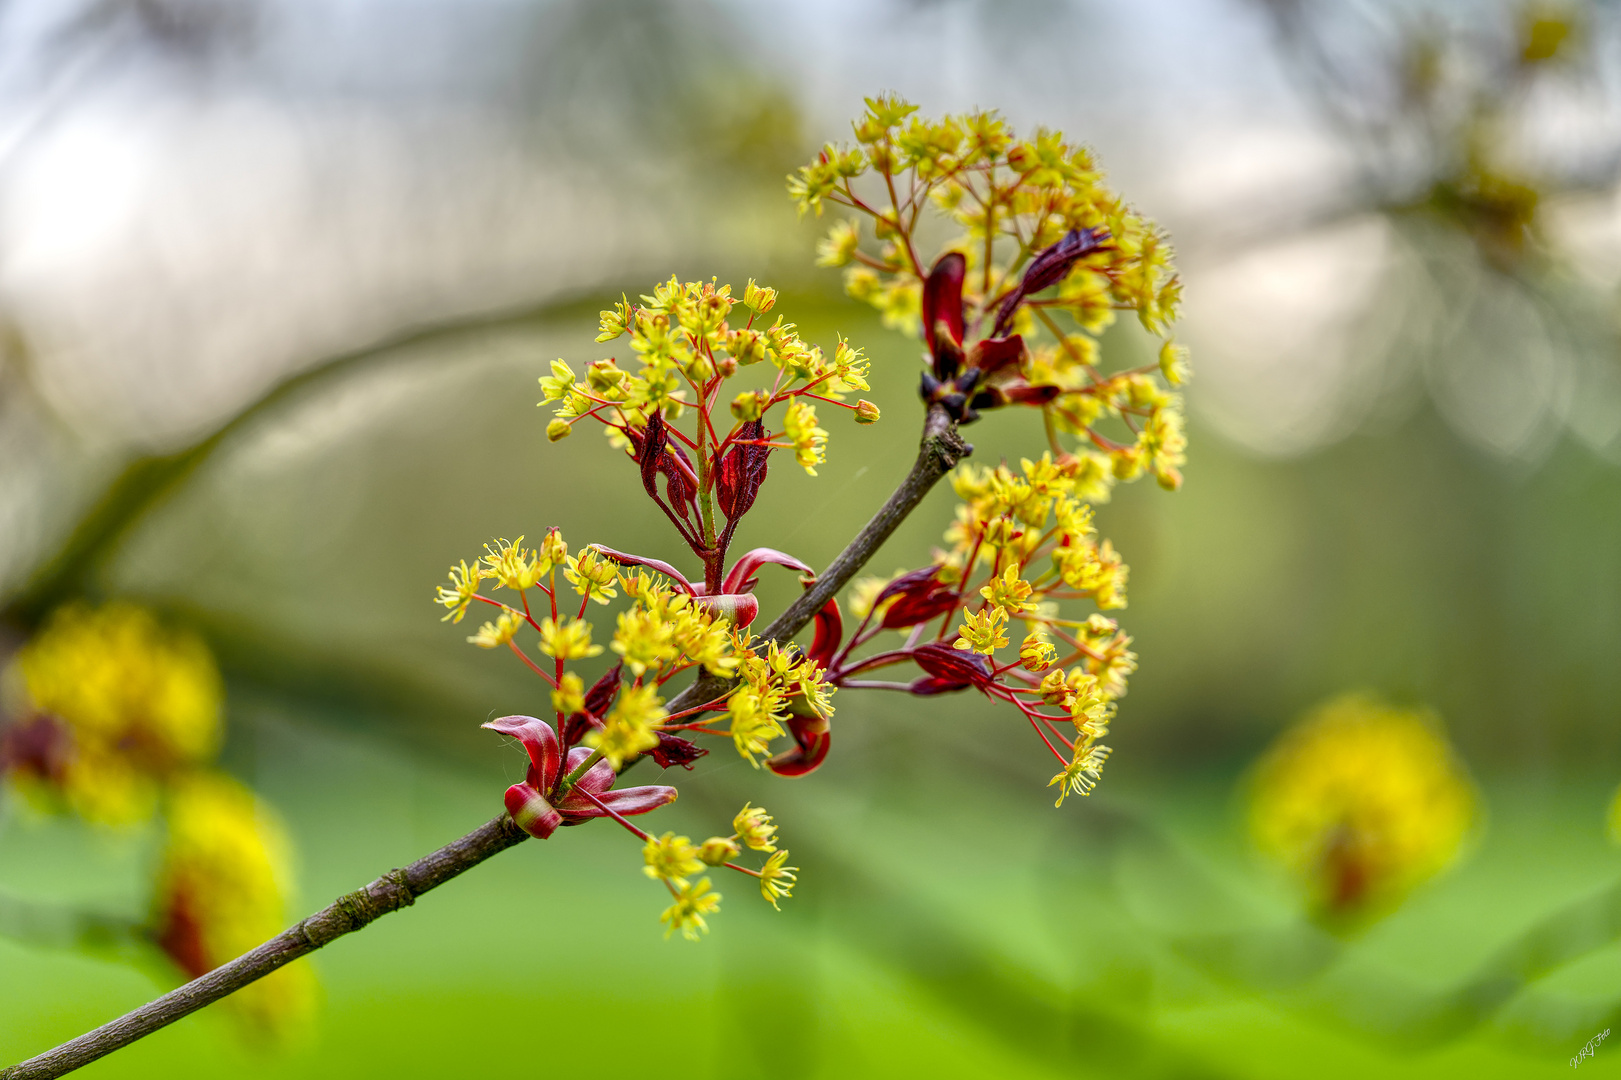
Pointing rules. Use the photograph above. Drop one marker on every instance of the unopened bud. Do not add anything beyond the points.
(1036, 653)
(749, 404)
(866, 412)
(718, 849)
(558, 429)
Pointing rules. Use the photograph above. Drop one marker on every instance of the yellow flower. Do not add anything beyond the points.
(754, 719)
(568, 640)
(692, 903)
(984, 632)
(569, 697)
(138, 701)
(776, 879)
(493, 635)
(553, 552)
(559, 384)
(1081, 775)
(221, 891)
(631, 726)
(758, 298)
(840, 244)
(645, 638)
(592, 575)
(1361, 802)
(1009, 592)
(808, 439)
(671, 858)
(459, 594)
(754, 828)
(512, 565)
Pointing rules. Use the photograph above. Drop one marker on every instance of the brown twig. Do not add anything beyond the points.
(939, 452)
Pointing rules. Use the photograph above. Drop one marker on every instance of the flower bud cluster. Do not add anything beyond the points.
(667, 627)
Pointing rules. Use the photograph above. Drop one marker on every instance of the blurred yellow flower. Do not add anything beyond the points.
(130, 701)
(1361, 802)
(222, 891)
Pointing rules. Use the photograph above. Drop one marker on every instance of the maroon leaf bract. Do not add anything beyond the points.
(674, 750)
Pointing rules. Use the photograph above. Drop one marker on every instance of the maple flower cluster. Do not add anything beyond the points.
(1013, 306)
(1022, 544)
(115, 718)
(687, 349)
(1043, 244)
(667, 628)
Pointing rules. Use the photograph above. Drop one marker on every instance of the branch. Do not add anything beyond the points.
(351, 912)
(938, 454)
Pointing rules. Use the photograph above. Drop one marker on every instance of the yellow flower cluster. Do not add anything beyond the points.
(668, 627)
(139, 703)
(774, 684)
(675, 859)
(1011, 199)
(686, 344)
(1010, 522)
(1360, 803)
(663, 632)
(222, 891)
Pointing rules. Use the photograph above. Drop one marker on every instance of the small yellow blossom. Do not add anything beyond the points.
(840, 244)
(493, 635)
(553, 552)
(511, 565)
(776, 879)
(758, 298)
(808, 440)
(592, 575)
(1009, 592)
(569, 639)
(1081, 775)
(866, 412)
(645, 638)
(671, 858)
(569, 697)
(754, 719)
(631, 726)
(984, 632)
(754, 827)
(464, 581)
(692, 903)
